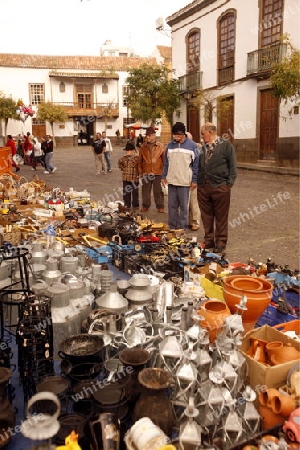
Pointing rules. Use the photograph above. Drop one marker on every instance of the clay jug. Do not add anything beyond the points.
(265, 397)
(283, 404)
(269, 418)
(214, 313)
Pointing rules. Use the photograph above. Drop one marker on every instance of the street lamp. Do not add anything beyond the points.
(187, 95)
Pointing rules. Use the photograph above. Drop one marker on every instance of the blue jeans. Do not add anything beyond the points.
(107, 157)
(178, 206)
(48, 164)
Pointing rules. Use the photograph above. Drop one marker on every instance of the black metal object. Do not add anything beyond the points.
(35, 342)
(15, 294)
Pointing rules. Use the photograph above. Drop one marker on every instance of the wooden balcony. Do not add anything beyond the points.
(259, 62)
(226, 75)
(191, 82)
(90, 109)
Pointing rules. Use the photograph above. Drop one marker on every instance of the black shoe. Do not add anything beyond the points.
(219, 249)
(17, 169)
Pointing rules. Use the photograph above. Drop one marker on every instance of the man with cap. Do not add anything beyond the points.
(128, 165)
(180, 174)
(151, 161)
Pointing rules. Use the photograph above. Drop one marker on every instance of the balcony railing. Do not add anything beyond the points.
(260, 61)
(191, 82)
(90, 109)
(226, 74)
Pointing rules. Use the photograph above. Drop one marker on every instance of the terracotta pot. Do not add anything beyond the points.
(214, 313)
(269, 418)
(285, 354)
(257, 301)
(265, 397)
(283, 404)
(168, 447)
(257, 350)
(250, 447)
(270, 438)
(272, 348)
(247, 283)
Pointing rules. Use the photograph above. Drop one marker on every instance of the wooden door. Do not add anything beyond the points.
(193, 122)
(268, 129)
(38, 129)
(226, 118)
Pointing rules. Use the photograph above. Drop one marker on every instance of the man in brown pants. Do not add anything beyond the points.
(216, 176)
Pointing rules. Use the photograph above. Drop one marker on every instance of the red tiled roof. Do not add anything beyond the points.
(74, 62)
(165, 52)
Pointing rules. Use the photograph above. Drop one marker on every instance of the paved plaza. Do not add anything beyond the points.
(264, 214)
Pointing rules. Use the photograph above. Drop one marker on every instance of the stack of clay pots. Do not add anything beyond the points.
(274, 407)
(272, 353)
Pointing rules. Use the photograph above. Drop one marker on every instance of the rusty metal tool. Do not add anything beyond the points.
(87, 238)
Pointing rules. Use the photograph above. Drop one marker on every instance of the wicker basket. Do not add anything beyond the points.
(14, 237)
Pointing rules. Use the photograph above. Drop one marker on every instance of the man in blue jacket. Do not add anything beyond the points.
(180, 172)
(216, 176)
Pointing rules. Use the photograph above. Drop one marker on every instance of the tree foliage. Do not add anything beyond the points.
(7, 110)
(7, 107)
(48, 112)
(152, 93)
(285, 77)
(214, 107)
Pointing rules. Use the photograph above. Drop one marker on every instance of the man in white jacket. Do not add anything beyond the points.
(108, 150)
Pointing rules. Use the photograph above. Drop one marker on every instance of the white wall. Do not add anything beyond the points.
(14, 82)
(245, 91)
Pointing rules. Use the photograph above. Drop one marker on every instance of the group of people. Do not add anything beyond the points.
(199, 178)
(102, 149)
(32, 152)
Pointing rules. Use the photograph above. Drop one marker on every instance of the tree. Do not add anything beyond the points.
(107, 112)
(213, 106)
(285, 77)
(7, 110)
(47, 112)
(152, 93)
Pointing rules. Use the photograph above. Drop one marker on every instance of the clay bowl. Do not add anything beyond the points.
(247, 283)
(257, 301)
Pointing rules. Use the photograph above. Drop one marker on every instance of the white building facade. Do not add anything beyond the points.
(92, 90)
(222, 52)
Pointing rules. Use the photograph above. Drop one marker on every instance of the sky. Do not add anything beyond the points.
(80, 27)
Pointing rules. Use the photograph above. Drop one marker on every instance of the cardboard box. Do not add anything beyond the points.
(259, 374)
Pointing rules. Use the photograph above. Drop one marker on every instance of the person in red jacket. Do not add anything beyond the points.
(11, 143)
(28, 147)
